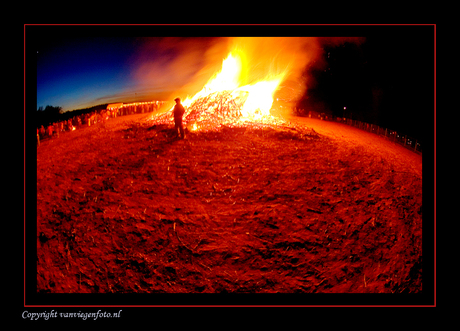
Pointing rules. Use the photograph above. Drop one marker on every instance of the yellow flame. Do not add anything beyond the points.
(260, 99)
(225, 79)
(230, 78)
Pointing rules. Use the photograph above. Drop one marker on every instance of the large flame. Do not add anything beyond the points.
(258, 96)
(253, 71)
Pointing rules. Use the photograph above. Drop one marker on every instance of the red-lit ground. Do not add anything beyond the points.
(124, 208)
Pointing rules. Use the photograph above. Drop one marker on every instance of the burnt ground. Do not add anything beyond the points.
(123, 207)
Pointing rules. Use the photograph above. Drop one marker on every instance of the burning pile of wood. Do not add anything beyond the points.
(212, 109)
(215, 109)
(217, 106)
(223, 109)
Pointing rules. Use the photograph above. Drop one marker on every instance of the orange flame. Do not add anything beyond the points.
(256, 70)
(259, 95)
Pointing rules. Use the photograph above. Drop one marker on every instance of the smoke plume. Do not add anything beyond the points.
(181, 66)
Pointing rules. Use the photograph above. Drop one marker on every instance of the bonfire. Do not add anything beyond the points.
(224, 100)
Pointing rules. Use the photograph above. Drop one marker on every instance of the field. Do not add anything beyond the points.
(299, 206)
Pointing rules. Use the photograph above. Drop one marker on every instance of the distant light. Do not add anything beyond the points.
(344, 108)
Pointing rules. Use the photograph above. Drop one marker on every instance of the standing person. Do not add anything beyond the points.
(42, 131)
(50, 130)
(178, 113)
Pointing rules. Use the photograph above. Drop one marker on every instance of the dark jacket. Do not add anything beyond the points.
(179, 110)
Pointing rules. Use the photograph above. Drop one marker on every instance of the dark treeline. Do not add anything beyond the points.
(51, 121)
(53, 114)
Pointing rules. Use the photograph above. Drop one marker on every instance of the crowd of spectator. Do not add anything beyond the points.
(97, 116)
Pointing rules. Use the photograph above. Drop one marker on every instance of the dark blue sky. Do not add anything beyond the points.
(75, 72)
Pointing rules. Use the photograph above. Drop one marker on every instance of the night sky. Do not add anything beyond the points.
(386, 79)
(79, 72)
